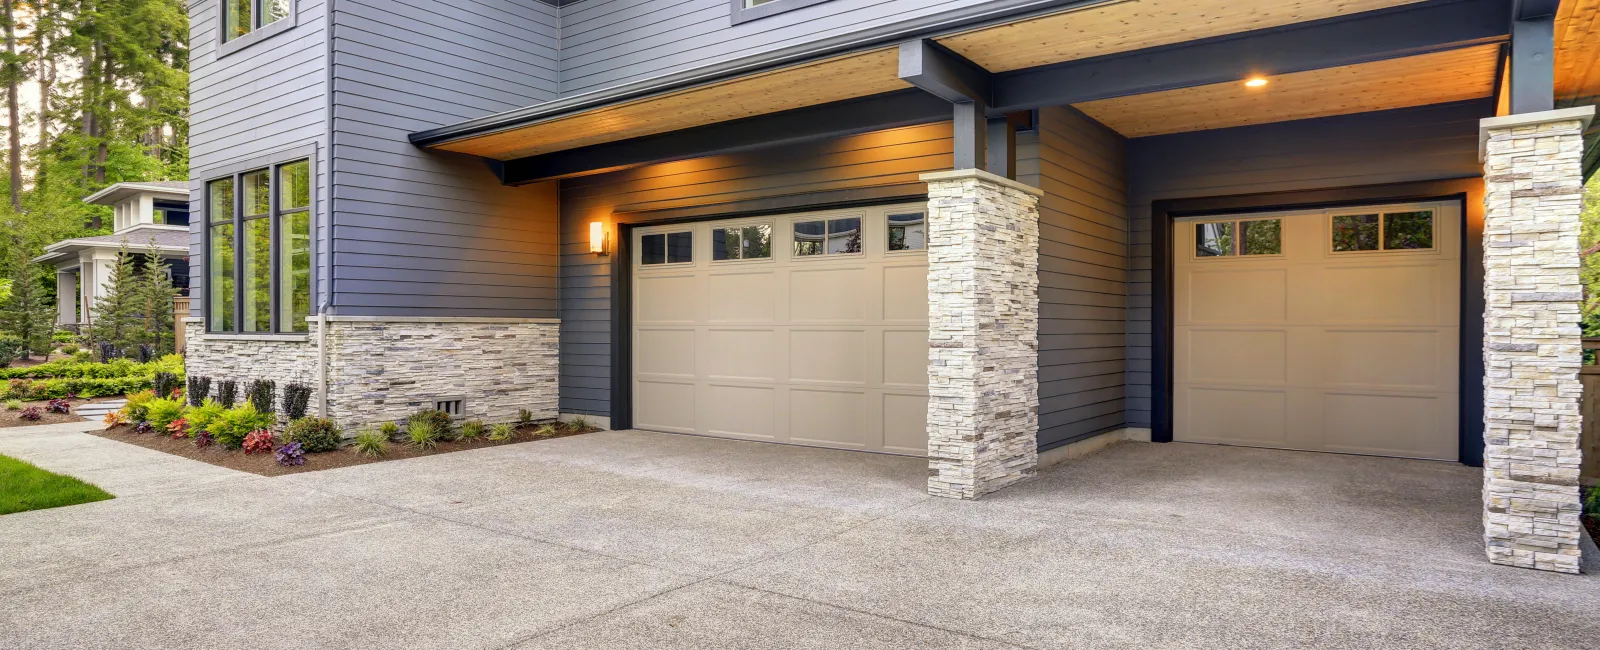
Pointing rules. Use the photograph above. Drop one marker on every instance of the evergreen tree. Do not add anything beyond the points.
(118, 319)
(156, 293)
(28, 313)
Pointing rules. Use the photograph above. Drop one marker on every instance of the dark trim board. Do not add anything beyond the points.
(1163, 212)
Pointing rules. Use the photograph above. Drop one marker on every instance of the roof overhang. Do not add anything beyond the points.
(119, 192)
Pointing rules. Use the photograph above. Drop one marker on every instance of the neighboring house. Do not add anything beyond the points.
(144, 214)
(971, 230)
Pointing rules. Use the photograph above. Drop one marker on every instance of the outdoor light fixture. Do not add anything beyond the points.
(1255, 82)
(598, 238)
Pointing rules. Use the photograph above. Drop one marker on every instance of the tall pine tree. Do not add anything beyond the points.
(28, 313)
(156, 293)
(118, 317)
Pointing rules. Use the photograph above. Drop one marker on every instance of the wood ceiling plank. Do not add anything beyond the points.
(1128, 25)
(1434, 78)
(1577, 50)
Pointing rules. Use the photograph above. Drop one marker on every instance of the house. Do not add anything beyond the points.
(144, 214)
(990, 232)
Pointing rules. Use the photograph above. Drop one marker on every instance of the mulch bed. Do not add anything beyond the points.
(265, 464)
(14, 418)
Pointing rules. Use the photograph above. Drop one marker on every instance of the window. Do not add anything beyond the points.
(1254, 237)
(831, 237)
(907, 232)
(666, 248)
(171, 213)
(258, 250)
(1382, 231)
(743, 10)
(741, 242)
(240, 17)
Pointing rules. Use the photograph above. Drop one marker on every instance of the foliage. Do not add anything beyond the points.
(390, 430)
(52, 388)
(371, 442)
(291, 454)
(296, 397)
(143, 427)
(138, 405)
(178, 428)
(501, 432)
(31, 413)
(108, 351)
(199, 390)
(1589, 260)
(69, 349)
(165, 384)
(11, 349)
(580, 423)
(23, 487)
(67, 337)
(153, 295)
(316, 434)
(524, 417)
(13, 405)
(545, 430)
(1591, 501)
(472, 430)
(65, 368)
(114, 418)
(203, 439)
(28, 313)
(234, 424)
(163, 411)
(260, 393)
(439, 419)
(60, 405)
(423, 434)
(118, 323)
(260, 440)
(227, 392)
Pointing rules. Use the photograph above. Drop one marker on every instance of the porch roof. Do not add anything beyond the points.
(170, 241)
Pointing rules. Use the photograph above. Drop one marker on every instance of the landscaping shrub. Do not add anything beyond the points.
(199, 390)
(580, 423)
(143, 427)
(296, 397)
(114, 418)
(236, 423)
(69, 349)
(316, 434)
(63, 336)
(545, 430)
(178, 428)
(108, 351)
(261, 392)
(471, 430)
(524, 417)
(203, 439)
(162, 411)
(291, 454)
(371, 442)
(13, 405)
(165, 383)
(390, 430)
(501, 431)
(260, 440)
(138, 407)
(423, 434)
(200, 417)
(31, 413)
(439, 419)
(146, 352)
(1591, 501)
(61, 406)
(227, 392)
(11, 348)
(83, 356)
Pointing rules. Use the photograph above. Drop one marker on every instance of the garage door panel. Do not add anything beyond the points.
(905, 358)
(1236, 356)
(1410, 294)
(666, 300)
(1389, 425)
(905, 423)
(740, 411)
(1238, 416)
(831, 356)
(744, 297)
(1400, 359)
(666, 352)
(905, 294)
(825, 417)
(667, 406)
(748, 354)
(832, 295)
(1245, 296)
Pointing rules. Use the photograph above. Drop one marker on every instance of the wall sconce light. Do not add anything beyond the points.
(599, 238)
(1255, 82)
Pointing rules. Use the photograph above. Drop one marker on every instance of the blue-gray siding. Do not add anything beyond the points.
(427, 233)
(1413, 144)
(1083, 272)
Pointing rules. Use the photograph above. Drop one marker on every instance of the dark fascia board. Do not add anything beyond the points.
(1361, 38)
(1532, 9)
(944, 23)
(945, 74)
(836, 119)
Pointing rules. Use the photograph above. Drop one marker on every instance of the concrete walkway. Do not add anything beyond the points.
(642, 540)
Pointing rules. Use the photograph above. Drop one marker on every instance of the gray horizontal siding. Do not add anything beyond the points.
(1083, 272)
(1413, 144)
(886, 158)
(263, 99)
(425, 233)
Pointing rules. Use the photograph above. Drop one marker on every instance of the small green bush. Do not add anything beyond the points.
(545, 430)
(524, 417)
(137, 408)
(11, 348)
(389, 430)
(471, 430)
(423, 434)
(69, 349)
(501, 431)
(371, 442)
(161, 412)
(1591, 501)
(236, 423)
(13, 405)
(63, 336)
(316, 434)
(439, 419)
(200, 417)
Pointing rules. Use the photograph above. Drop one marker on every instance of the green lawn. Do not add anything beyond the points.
(26, 487)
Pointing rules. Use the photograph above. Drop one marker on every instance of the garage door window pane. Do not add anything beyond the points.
(907, 232)
(653, 249)
(1408, 230)
(1263, 237)
(757, 241)
(844, 236)
(808, 237)
(1213, 239)
(1355, 232)
(680, 247)
(741, 243)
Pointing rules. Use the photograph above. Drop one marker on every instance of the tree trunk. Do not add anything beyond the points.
(13, 79)
(47, 68)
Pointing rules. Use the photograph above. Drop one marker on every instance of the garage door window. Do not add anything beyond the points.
(666, 248)
(1385, 231)
(830, 237)
(1229, 238)
(907, 232)
(751, 242)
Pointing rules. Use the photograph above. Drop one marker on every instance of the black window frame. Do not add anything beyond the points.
(274, 164)
(258, 32)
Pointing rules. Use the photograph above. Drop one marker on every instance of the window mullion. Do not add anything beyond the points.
(272, 250)
(238, 253)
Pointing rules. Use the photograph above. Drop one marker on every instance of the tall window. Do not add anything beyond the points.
(263, 215)
(241, 17)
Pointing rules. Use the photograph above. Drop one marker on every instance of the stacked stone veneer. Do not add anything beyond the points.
(1532, 342)
(384, 370)
(983, 332)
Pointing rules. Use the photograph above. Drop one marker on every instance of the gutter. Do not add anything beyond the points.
(960, 20)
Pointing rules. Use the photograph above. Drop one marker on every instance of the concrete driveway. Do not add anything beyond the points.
(642, 540)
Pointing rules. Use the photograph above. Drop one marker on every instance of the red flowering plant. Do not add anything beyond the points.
(31, 413)
(114, 418)
(260, 440)
(179, 428)
(59, 406)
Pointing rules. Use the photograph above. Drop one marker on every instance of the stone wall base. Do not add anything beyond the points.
(383, 370)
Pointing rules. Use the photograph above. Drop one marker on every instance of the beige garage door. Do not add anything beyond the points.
(1333, 330)
(807, 329)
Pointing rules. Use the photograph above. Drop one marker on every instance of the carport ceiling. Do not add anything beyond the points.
(1454, 75)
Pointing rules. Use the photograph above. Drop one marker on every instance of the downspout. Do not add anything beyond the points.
(327, 264)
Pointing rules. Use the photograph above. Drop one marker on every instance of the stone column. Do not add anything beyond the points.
(983, 332)
(1532, 348)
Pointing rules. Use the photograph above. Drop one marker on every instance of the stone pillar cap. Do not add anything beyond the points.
(1584, 114)
(957, 174)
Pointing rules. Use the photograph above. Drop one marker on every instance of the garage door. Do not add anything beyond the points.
(1332, 330)
(807, 329)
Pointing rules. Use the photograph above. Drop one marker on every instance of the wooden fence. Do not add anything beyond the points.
(1590, 444)
(180, 311)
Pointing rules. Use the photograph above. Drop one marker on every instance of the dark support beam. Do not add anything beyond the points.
(1533, 56)
(947, 75)
(1002, 147)
(833, 120)
(970, 131)
(1365, 37)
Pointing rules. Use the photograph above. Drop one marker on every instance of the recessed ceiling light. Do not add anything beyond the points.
(1255, 82)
